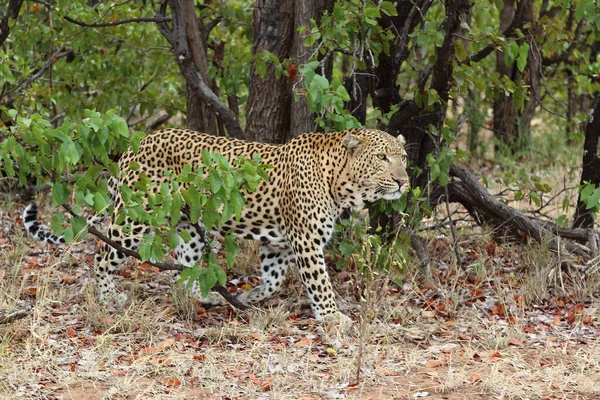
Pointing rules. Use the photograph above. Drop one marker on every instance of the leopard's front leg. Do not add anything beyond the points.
(313, 272)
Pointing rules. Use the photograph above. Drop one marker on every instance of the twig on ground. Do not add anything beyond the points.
(222, 290)
(10, 316)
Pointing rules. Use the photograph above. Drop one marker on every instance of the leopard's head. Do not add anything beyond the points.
(376, 164)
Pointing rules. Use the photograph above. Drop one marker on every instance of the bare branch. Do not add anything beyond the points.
(179, 39)
(162, 26)
(162, 266)
(60, 53)
(161, 119)
(115, 23)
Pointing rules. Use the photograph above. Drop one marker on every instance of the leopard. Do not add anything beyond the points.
(313, 178)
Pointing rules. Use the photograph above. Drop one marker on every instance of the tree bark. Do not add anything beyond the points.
(12, 12)
(269, 99)
(412, 121)
(512, 127)
(591, 164)
(302, 120)
(178, 37)
(198, 114)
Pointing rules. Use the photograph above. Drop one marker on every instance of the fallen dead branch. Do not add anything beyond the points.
(7, 317)
(486, 208)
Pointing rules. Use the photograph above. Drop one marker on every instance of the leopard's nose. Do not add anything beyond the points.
(400, 182)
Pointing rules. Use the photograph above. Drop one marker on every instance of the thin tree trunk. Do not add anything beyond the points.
(198, 114)
(12, 12)
(189, 49)
(591, 165)
(512, 127)
(412, 121)
(302, 120)
(269, 99)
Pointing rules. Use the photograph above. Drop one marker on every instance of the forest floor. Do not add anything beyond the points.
(508, 323)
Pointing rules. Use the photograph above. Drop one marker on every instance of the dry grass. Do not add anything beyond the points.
(498, 328)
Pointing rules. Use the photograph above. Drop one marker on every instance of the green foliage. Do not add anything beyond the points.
(368, 252)
(327, 99)
(211, 194)
(88, 64)
(72, 157)
(590, 195)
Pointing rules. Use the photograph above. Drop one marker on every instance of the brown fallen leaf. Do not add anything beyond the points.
(68, 279)
(71, 332)
(303, 342)
(515, 342)
(434, 363)
(168, 342)
(475, 378)
(493, 357)
(173, 382)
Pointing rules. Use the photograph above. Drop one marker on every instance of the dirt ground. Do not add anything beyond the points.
(509, 323)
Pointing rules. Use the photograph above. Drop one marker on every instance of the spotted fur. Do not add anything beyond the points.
(314, 178)
(37, 230)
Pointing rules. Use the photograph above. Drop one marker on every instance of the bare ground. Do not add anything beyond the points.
(509, 324)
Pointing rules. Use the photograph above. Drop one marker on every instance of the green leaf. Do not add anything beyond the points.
(145, 249)
(592, 201)
(173, 238)
(221, 276)
(100, 202)
(176, 209)
(79, 225)
(206, 158)
(459, 50)
(343, 93)
(388, 8)
(346, 248)
(522, 58)
(68, 235)
(321, 82)
(372, 12)
(519, 98)
(231, 249)
(510, 53)
(60, 194)
(215, 181)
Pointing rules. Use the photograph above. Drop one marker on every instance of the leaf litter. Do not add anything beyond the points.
(474, 333)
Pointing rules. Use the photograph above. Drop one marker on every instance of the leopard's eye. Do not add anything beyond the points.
(382, 157)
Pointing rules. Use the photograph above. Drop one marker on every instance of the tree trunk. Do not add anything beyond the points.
(591, 164)
(198, 114)
(269, 100)
(410, 13)
(302, 120)
(512, 127)
(413, 122)
(12, 12)
(189, 49)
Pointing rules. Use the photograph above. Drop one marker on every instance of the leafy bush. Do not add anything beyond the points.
(74, 158)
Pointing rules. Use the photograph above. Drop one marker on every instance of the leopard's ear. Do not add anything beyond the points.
(401, 140)
(351, 142)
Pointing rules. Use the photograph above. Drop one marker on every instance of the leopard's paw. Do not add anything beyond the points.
(114, 299)
(343, 321)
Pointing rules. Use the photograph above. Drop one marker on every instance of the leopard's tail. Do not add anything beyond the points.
(36, 229)
(42, 233)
